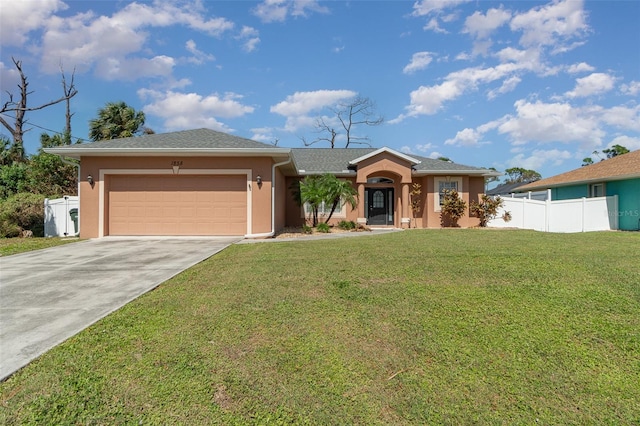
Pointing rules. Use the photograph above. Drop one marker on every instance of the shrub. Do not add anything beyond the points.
(486, 209)
(323, 227)
(22, 212)
(306, 229)
(347, 225)
(453, 208)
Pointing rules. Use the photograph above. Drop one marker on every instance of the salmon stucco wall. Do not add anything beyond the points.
(471, 189)
(90, 195)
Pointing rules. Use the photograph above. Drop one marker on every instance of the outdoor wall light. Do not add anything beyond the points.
(259, 181)
(90, 180)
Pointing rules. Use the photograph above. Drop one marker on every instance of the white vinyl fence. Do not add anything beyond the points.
(57, 218)
(577, 215)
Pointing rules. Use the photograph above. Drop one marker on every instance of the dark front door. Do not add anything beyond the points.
(380, 201)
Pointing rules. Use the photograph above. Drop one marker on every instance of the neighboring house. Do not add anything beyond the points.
(203, 182)
(619, 176)
(506, 189)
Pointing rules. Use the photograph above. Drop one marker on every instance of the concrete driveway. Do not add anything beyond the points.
(47, 296)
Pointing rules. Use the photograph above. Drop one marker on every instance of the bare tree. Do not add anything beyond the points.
(69, 92)
(20, 107)
(359, 111)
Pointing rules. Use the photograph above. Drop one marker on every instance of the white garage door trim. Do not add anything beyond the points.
(106, 172)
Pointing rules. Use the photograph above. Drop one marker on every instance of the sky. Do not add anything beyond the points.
(532, 84)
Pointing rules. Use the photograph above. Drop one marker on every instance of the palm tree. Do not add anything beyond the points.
(116, 120)
(316, 190)
(338, 192)
(312, 193)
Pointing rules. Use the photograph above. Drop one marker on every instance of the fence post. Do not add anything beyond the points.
(547, 214)
(584, 212)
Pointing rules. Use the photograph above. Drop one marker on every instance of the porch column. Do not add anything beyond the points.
(405, 222)
(362, 218)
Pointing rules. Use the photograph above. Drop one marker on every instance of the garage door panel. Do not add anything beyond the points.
(177, 205)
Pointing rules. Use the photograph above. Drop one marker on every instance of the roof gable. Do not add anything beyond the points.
(387, 150)
(620, 167)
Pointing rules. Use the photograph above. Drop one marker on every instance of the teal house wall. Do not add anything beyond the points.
(570, 192)
(628, 192)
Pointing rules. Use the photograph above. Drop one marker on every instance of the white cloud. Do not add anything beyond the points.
(427, 7)
(297, 108)
(434, 25)
(465, 137)
(85, 39)
(622, 117)
(539, 158)
(629, 142)
(428, 100)
(9, 77)
(592, 84)
(191, 110)
(19, 18)
(419, 61)
(425, 147)
(631, 89)
(250, 38)
(278, 10)
(302, 103)
(131, 69)
(508, 85)
(481, 26)
(578, 68)
(199, 57)
(551, 123)
(551, 24)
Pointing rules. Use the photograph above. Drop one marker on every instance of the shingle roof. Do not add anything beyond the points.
(506, 188)
(198, 138)
(616, 168)
(211, 142)
(336, 161)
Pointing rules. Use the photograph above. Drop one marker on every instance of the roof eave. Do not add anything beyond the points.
(343, 173)
(165, 152)
(485, 173)
(579, 182)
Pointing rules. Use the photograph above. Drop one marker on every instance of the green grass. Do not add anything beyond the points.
(418, 327)
(9, 246)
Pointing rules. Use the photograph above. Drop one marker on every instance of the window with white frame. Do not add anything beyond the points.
(325, 209)
(442, 184)
(596, 190)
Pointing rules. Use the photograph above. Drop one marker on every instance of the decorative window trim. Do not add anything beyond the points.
(436, 189)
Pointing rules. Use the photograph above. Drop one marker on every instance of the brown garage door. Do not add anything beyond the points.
(177, 205)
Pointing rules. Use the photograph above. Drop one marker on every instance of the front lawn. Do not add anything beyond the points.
(417, 327)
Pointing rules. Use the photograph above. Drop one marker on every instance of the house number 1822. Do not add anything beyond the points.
(176, 163)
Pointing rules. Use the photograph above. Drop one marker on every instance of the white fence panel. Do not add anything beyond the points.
(525, 214)
(577, 215)
(57, 220)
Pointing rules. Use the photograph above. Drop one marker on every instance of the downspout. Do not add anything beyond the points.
(76, 165)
